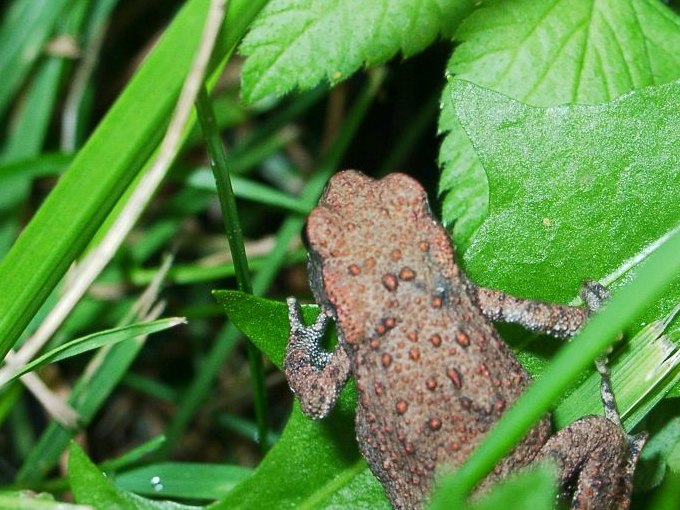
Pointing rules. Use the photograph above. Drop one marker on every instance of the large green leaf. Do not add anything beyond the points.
(298, 43)
(591, 199)
(549, 53)
(575, 190)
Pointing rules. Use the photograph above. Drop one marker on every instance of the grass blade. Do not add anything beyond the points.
(96, 340)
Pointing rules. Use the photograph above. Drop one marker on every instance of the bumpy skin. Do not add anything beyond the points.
(433, 376)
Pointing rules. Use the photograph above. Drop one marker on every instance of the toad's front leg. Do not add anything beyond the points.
(315, 375)
(558, 320)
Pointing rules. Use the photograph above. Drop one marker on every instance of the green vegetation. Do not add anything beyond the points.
(558, 159)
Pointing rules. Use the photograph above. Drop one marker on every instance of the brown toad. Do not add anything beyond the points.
(432, 373)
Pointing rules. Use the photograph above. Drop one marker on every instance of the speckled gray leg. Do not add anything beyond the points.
(595, 295)
(314, 375)
(561, 321)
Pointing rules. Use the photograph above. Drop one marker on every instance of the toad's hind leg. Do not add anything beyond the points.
(595, 460)
(595, 457)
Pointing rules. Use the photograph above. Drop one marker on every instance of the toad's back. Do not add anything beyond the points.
(432, 374)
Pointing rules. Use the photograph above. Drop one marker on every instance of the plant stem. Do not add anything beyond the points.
(232, 227)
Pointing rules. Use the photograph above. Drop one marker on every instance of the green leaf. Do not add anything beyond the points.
(591, 200)
(91, 487)
(40, 166)
(549, 53)
(195, 273)
(182, 480)
(96, 340)
(264, 321)
(15, 184)
(328, 468)
(298, 43)
(568, 185)
(134, 456)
